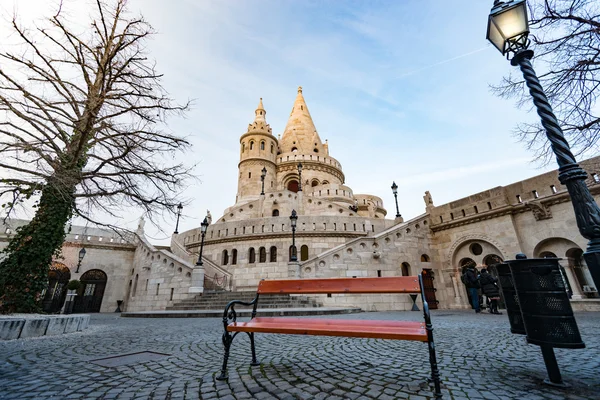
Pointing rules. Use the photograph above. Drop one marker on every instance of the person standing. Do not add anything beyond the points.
(470, 280)
(490, 289)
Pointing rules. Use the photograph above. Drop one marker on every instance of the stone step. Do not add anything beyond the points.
(219, 300)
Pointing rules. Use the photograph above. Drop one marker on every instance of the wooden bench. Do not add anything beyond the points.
(397, 330)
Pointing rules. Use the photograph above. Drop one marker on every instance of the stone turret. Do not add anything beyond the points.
(258, 150)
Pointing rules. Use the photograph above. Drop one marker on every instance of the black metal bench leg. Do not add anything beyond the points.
(254, 362)
(435, 374)
(227, 339)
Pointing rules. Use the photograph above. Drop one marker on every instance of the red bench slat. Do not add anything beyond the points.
(402, 330)
(397, 284)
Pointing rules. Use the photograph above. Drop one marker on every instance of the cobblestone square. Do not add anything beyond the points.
(478, 356)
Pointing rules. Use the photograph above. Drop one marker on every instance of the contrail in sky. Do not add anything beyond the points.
(442, 62)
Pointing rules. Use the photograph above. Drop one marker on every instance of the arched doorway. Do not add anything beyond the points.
(93, 283)
(293, 186)
(55, 293)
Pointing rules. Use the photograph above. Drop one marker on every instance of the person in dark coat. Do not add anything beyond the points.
(490, 289)
(472, 283)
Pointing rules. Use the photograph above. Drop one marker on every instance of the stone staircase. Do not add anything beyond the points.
(217, 300)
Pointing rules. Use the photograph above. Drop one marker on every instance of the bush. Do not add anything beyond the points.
(74, 285)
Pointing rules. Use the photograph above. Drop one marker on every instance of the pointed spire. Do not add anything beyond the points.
(260, 122)
(300, 132)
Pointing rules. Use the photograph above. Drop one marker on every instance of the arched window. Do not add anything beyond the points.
(251, 255)
(243, 146)
(275, 213)
(293, 250)
(314, 183)
(425, 258)
(304, 253)
(225, 258)
(262, 255)
(272, 147)
(135, 285)
(325, 183)
(294, 149)
(233, 257)
(405, 269)
(251, 145)
(262, 145)
(273, 254)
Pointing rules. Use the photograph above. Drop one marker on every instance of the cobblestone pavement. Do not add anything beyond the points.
(479, 359)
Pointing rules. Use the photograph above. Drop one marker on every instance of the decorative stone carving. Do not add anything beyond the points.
(540, 211)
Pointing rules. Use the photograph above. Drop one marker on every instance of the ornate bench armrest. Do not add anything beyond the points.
(230, 315)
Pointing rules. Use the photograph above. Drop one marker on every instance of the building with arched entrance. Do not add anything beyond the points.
(338, 233)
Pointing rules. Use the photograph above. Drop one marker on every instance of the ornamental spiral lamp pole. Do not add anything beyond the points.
(179, 208)
(293, 219)
(262, 179)
(508, 30)
(299, 176)
(203, 227)
(395, 191)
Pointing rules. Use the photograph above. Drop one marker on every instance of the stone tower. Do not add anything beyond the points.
(258, 150)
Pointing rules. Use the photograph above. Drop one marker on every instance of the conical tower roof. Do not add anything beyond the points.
(300, 133)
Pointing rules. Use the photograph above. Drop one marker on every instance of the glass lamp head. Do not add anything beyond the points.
(204, 225)
(394, 188)
(293, 218)
(508, 25)
(82, 254)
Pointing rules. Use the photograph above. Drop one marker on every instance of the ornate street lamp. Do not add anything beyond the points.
(203, 228)
(179, 208)
(81, 256)
(293, 219)
(262, 179)
(508, 30)
(299, 176)
(395, 191)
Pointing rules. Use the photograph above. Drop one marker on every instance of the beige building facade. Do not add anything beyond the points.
(339, 233)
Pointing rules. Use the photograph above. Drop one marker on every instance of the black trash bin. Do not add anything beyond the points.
(547, 314)
(511, 299)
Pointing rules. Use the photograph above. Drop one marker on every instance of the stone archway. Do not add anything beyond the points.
(573, 264)
(90, 295)
(475, 250)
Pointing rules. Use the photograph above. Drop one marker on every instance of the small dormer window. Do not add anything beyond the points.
(262, 145)
(251, 145)
(294, 149)
(302, 107)
(316, 150)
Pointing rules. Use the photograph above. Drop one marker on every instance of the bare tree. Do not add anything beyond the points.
(566, 39)
(81, 130)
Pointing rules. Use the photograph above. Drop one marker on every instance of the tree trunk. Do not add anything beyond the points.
(24, 272)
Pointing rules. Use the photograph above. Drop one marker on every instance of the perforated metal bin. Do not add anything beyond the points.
(544, 303)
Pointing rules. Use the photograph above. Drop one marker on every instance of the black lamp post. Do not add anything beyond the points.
(293, 219)
(395, 191)
(179, 208)
(81, 255)
(508, 29)
(203, 228)
(299, 176)
(262, 179)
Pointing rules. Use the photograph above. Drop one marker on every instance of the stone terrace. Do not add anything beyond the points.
(479, 359)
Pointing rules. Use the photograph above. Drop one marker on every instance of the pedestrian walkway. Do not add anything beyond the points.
(179, 358)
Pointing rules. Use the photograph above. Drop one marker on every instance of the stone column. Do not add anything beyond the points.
(457, 297)
(197, 285)
(577, 294)
(293, 269)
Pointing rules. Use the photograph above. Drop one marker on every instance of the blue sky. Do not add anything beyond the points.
(399, 88)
